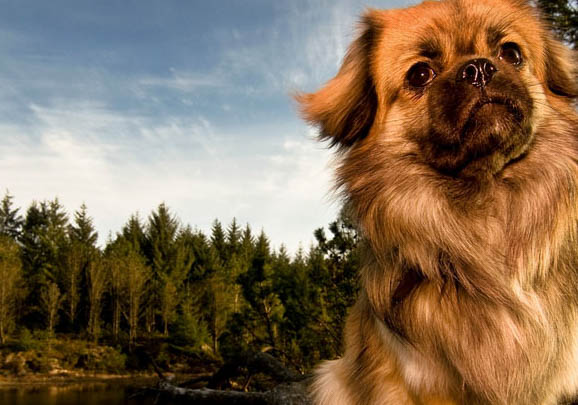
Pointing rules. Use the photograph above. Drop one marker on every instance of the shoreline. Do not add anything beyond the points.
(33, 381)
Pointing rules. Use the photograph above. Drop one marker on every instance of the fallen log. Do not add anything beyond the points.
(291, 390)
(254, 362)
(283, 394)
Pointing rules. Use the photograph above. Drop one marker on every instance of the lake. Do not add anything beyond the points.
(74, 394)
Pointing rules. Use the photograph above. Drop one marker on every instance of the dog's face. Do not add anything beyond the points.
(462, 85)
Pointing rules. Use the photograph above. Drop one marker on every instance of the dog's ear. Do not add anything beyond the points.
(561, 72)
(344, 109)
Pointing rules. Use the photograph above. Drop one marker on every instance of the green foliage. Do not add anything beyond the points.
(10, 284)
(25, 341)
(173, 289)
(104, 359)
(44, 241)
(563, 16)
(82, 231)
(189, 331)
(45, 354)
(10, 220)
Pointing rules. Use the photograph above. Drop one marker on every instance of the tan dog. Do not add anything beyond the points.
(458, 155)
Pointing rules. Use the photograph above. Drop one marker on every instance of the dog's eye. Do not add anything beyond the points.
(510, 53)
(420, 75)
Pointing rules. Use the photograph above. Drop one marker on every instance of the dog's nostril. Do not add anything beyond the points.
(489, 69)
(477, 72)
(470, 72)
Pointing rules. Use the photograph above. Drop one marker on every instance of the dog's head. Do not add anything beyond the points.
(462, 84)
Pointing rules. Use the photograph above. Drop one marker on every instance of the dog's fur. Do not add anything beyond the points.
(468, 209)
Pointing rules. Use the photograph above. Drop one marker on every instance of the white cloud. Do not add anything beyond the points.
(185, 82)
(118, 164)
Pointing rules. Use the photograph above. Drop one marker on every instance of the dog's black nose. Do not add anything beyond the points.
(477, 72)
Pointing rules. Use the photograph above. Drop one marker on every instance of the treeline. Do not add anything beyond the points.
(224, 293)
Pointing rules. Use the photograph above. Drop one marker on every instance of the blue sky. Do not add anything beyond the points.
(123, 105)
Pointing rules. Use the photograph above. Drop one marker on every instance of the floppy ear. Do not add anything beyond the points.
(561, 72)
(344, 109)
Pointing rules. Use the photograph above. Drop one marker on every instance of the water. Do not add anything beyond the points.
(74, 394)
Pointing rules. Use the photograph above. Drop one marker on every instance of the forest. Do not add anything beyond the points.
(167, 289)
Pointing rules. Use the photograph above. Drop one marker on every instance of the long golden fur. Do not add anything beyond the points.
(465, 191)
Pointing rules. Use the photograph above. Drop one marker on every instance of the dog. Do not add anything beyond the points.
(456, 139)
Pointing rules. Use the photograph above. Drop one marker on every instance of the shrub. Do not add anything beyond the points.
(103, 359)
(26, 341)
(189, 331)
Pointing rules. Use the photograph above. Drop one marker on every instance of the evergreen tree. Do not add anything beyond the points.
(82, 231)
(161, 233)
(44, 242)
(218, 242)
(291, 285)
(190, 330)
(33, 228)
(80, 255)
(237, 263)
(202, 259)
(264, 310)
(247, 244)
(133, 232)
(196, 245)
(233, 239)
(169, 263)
(10, 220)
(334, 265)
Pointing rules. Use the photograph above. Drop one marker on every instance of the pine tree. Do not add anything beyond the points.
(133, 232)
(33, 254)
(80, 255)
(247, 244)
(334, 265)
(218, 241)
(44, 242)
(54, 238)
(233, 239)
(168, 261)
(162, 231)
(83, 231)
(10, 221)
(264, 309)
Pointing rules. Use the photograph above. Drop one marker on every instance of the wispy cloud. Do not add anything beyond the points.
(123, 116)
(185, 81)
(188, 164)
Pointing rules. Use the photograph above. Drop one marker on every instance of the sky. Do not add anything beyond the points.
(123, 105)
